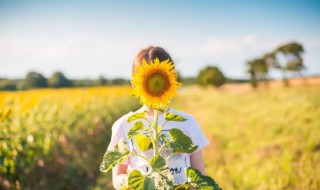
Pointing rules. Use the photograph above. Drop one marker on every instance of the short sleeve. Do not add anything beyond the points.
(117, 134)
(197, 135)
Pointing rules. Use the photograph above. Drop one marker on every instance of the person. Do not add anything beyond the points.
(177, 163)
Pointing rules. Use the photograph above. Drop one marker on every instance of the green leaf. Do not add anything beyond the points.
(125, 188)
(149, 184)
(179, 142)
(181, 187)
(136, 180)
(158, 163)
(143, 142)
(118, 155)
(153, 181)
(173, 117)
(135, 129)
(164, 138)
(199, 181)
(136, 116)
(162, 179)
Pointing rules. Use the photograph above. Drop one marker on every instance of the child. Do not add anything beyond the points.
(178, 163)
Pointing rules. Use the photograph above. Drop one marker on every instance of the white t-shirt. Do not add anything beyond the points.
(177, 163)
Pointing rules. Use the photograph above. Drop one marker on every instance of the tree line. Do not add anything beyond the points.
(210, 75)
(257, 68)
(34, 80)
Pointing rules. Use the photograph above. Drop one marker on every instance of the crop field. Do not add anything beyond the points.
(265, 139)
(55, 139)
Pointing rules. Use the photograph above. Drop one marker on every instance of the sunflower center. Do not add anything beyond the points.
(157, 84)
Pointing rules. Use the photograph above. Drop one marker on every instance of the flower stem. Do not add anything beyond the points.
(172, 154)
(135, 154)
(161, 148)
(156, 134)
(152, 138)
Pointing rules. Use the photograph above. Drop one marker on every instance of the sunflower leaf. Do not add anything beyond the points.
(199, 181)
(124, 187)
(143, 142)
(135, 129)
(181, 187)
(149, 184)
(136, 180)
(158, 163)
(164, 138)
(179, 142)
(118, 155)
(162, 179)
(174, 117)
(136, 116)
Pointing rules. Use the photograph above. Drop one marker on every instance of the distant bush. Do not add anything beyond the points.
(35, 80)
(211, 76)
(6, 84)
(119, 81)
(58, 80)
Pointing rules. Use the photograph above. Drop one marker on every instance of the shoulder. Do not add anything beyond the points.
(121, 121)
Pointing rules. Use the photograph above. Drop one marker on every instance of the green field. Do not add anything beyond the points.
(260, 139)
(264, 139)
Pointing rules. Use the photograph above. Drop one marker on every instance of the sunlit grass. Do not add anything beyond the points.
(264, 139)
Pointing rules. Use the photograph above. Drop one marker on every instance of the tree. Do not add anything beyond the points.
(258, 70)
(252, 72)
(35, 80)
(211, 76)
(294, 62)
(271, 60)
(58, 80)
(101, 81)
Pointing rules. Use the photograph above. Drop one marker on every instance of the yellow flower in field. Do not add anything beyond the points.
(155, 83)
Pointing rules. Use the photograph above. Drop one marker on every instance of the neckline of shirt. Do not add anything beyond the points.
(145, 108)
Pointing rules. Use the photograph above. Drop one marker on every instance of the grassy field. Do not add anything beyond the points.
(262, 139)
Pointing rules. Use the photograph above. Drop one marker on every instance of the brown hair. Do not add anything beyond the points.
(150, 54)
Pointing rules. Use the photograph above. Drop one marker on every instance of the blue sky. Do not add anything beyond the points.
(85, 39)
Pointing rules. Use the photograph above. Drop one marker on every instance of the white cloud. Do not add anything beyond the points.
(219, 47)
(230, 45)
(312, 43)
(231, 53)
(82, 55)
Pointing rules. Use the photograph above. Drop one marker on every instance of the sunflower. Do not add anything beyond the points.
(155, 83)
